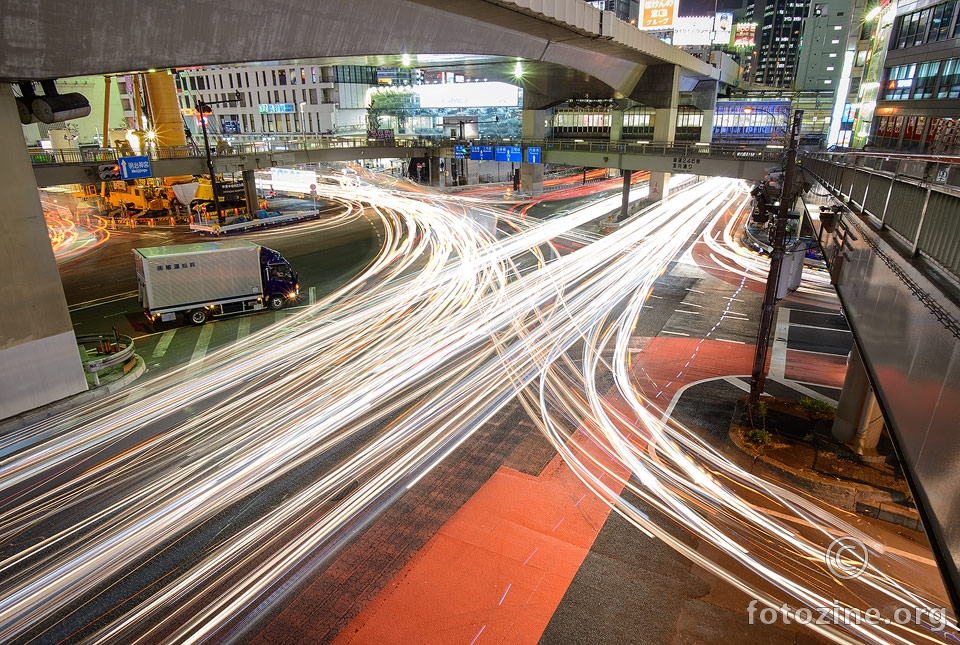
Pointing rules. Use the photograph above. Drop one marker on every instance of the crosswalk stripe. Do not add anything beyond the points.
(200, 349)
(161, 347)
(243, 329)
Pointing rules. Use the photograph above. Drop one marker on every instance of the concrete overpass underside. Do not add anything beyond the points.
(574, 49)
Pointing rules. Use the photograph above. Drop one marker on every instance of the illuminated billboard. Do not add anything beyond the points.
(658, 14)
(723, 28)
(469, 95)
(744, 34)
(692, 31)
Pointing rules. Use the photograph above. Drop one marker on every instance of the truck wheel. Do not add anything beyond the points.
(276, 302)
(197, 316)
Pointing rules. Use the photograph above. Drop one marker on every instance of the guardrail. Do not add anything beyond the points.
(41, 157)
(110, 351)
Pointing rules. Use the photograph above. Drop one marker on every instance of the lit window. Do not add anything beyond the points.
(835, 41)
(837, 27)
(833, 54)
(830, 69)
(828, 81)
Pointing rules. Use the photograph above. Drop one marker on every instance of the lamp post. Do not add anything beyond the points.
(303, 125)
(205, 109)
(778, 243)
(750, 110)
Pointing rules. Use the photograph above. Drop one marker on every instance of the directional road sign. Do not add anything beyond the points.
(134, 167)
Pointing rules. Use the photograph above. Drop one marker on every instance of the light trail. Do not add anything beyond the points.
(368, 390)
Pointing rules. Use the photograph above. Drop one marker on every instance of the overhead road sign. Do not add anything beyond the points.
(481, 153)
(508, 153)
(134, 167)
(534, 154)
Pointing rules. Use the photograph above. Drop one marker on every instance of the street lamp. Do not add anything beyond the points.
(778, 243)
(750, 110)
(205, 108)
(303, 125)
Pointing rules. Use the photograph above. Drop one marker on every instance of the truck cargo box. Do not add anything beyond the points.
(180, 276)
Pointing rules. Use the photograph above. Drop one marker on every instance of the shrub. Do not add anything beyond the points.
(758, 436)
(815, 408)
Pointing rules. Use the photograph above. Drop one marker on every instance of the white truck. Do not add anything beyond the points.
(204, 279)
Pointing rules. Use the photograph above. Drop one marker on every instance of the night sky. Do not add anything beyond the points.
(706, 7)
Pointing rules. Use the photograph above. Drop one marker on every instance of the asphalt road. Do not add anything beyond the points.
(101, 286)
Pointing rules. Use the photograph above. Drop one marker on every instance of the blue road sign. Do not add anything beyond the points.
(508, 153)
(460, 152)
(533, 154)
(134, 167)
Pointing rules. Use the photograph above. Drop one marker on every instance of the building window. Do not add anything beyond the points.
(949, 79)
(926, 80)
(940, 21)
(900, 82)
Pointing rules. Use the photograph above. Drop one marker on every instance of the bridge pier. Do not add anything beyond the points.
(858, 419)
(39, 362)
(532, 118)
(663, 84)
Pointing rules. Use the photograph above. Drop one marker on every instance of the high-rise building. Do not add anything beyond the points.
(778, 41)
(625, 10)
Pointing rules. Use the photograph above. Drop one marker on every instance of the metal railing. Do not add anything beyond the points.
(111, 350)
(765, 153)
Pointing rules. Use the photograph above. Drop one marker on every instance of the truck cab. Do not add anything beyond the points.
(282, 285)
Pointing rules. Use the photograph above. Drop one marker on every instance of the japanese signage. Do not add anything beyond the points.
(276, 108)
(233, 190)
(134, 167)
(380, 135)
(481, 153)
(508, 153)
(460, 152)
(744, 33)
(534, 154)
(685, 163)
(658, 14)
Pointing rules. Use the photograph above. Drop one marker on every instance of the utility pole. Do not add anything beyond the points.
(204, 107)
(759, 375)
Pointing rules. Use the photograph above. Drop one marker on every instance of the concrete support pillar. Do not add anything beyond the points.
(856, 387)
(533, 118)
(704, 97)
(434, 164)
(250, 190)
(869, 427)
(659, 185)
(664, 130)
(625, 205)
(39, 362)
(661, 85)
(616, 125)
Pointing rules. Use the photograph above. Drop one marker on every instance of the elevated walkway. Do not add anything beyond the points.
(745, 162)
(892, 259)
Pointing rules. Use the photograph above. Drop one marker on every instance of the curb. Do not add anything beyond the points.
(864, 500)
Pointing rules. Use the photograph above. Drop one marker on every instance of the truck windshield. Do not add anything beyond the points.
(279, 272)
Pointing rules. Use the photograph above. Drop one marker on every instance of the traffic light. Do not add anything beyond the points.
(109, 171)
